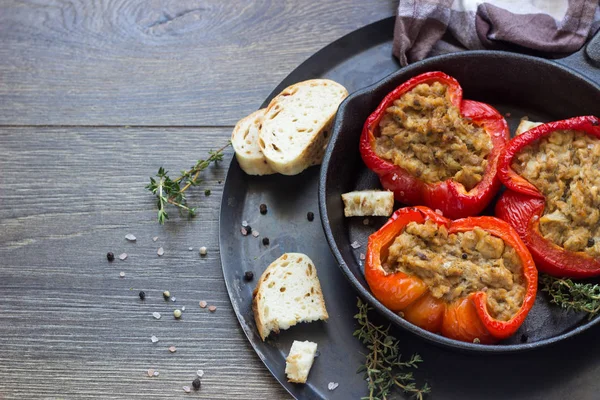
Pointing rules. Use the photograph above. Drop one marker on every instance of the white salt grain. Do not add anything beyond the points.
(200, 373)
(173, 298)
(123, 256)
(190, 248)
(160, 251)
(156, 373)
(155, 238)
(130, 237)
(150, 372)
(122, 274)
(362, 256)
(156, 315)
(183, 308)
(255, 233)
(355, 245)
(154, 339)
(187, 389)
(332, 385)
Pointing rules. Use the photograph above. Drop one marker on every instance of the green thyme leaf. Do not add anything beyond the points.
(384, 368)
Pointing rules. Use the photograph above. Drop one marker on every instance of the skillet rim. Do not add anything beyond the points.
(364, 292)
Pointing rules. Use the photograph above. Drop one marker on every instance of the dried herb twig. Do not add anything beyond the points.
(576, 296)
(383, 367)
(170, 191)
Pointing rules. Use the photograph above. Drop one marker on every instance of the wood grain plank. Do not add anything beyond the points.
(159, 62)
(70, 326)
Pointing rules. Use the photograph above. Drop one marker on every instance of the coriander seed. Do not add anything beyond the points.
(263, 209)
(310, 216)
(248, 275)
(177, 314)
(196, 383)
(203, 251)
(166, 294)
(142, 295)
(110, 256)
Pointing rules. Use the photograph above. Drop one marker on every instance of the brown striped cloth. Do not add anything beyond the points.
(544, 27)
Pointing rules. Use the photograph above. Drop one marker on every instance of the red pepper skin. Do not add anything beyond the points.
(449, 196)
(464, 319)
(523, 204)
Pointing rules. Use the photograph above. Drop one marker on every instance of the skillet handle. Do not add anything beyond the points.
(587, 60)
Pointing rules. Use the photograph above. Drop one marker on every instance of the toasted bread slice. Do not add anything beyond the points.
(368, 203)
(300, 360)
(244, 140)
(526, 125)
(288, 292)
(297, 125)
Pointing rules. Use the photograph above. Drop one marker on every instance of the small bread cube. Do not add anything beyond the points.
(299, 361)
(368, 203)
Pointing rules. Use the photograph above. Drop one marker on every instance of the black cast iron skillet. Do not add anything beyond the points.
(518, 86)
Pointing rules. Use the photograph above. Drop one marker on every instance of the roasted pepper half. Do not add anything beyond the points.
(448, 196)
(523, 204)
(465, 318)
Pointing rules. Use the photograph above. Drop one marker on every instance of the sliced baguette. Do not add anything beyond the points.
(287, 293)
(297, 124)
(300, 360)
(368, 203)
(244, 140)
(526, 125)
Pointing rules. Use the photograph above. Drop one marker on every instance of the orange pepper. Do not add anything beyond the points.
(465, 318)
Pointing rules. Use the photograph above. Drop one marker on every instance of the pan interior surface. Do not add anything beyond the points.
(518, 86)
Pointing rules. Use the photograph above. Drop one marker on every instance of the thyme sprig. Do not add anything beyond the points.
(576, 296)
(384, 368)
(170, 191)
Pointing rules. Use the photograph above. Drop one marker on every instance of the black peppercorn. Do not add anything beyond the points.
(591, 242)
(110, 256)
(263, 209)
(248, 275)
(310, 216)
(266, 241)
(524, 338)
(464, 256)
(207, 192)
(142, 295)
(196, 384)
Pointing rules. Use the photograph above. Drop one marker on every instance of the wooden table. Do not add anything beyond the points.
(94, 97)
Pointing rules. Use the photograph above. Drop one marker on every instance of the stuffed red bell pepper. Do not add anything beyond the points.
(470, 279)
(552, 173)
(431, 147)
